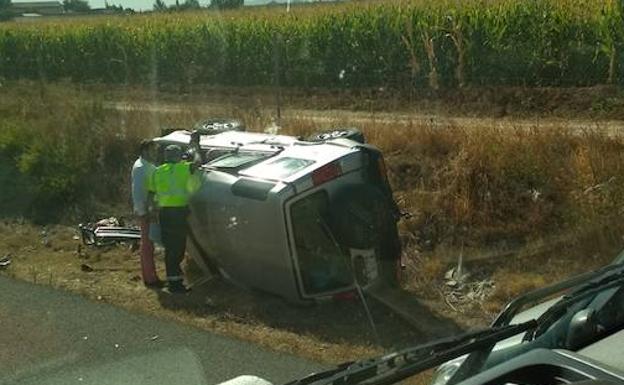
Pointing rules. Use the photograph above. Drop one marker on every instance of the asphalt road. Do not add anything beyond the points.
(53, 337)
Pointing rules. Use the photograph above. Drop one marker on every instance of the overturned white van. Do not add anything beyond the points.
(299, 219)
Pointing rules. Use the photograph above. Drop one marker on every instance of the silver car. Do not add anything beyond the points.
(301, 219)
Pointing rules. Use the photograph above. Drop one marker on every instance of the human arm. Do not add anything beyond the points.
(196, 152)
(139, 190)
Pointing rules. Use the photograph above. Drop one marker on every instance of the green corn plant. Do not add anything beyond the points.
(403, 43)
(610, 30)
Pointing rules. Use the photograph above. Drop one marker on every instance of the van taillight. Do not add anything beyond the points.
(326, 173)
(345, 296)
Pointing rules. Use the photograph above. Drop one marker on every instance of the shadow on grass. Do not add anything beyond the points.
(17, 194)
(337, 321)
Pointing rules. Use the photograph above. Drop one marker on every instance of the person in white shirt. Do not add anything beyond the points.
(141, 172)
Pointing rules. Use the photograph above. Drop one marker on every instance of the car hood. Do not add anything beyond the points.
(526, 315)
(607, 351)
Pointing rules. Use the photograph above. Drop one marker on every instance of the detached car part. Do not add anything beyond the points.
(102, 235)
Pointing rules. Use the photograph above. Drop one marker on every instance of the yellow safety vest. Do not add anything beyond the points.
(173, 184)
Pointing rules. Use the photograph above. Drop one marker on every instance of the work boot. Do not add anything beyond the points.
(159, 284)
(176, 287)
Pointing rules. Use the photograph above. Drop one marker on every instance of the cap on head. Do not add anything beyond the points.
(144, 147)
(173, 153)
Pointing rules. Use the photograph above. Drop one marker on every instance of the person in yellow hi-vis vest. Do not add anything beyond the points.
(172, 184)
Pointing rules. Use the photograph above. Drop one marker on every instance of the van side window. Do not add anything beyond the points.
(323, 265)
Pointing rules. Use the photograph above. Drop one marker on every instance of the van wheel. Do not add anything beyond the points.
(345, 133)
(217, 126)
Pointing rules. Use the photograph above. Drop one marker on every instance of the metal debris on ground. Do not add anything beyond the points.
(459, 290)
(108, 231)
(455, 277)
(112, 221)
(86, 268)
(5, 261)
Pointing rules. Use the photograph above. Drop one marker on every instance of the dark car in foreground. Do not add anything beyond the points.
(584, 315)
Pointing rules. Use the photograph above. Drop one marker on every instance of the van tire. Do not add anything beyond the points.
(217, 126)
(338, 133)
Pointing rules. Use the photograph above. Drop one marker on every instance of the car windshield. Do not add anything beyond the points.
(279, 186)
(237, 160)
(279, 168)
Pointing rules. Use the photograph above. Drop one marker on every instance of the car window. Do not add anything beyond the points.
(322, 263)
(280, 168)
(237, 159)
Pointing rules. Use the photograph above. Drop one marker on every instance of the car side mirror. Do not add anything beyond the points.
(582, 329)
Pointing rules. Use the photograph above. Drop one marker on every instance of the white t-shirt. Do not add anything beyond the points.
(141, 171)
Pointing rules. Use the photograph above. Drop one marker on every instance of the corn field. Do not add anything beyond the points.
(403, 44)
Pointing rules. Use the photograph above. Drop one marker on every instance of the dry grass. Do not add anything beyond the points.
(494, 186)
(511, 284)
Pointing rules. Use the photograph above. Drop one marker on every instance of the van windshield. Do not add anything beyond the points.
(238, 159)
(323, 265)
(278, 169)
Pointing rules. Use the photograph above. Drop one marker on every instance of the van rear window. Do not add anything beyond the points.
(279, 168)
(323, 265)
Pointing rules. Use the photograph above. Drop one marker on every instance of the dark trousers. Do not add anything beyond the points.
(174, 228)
